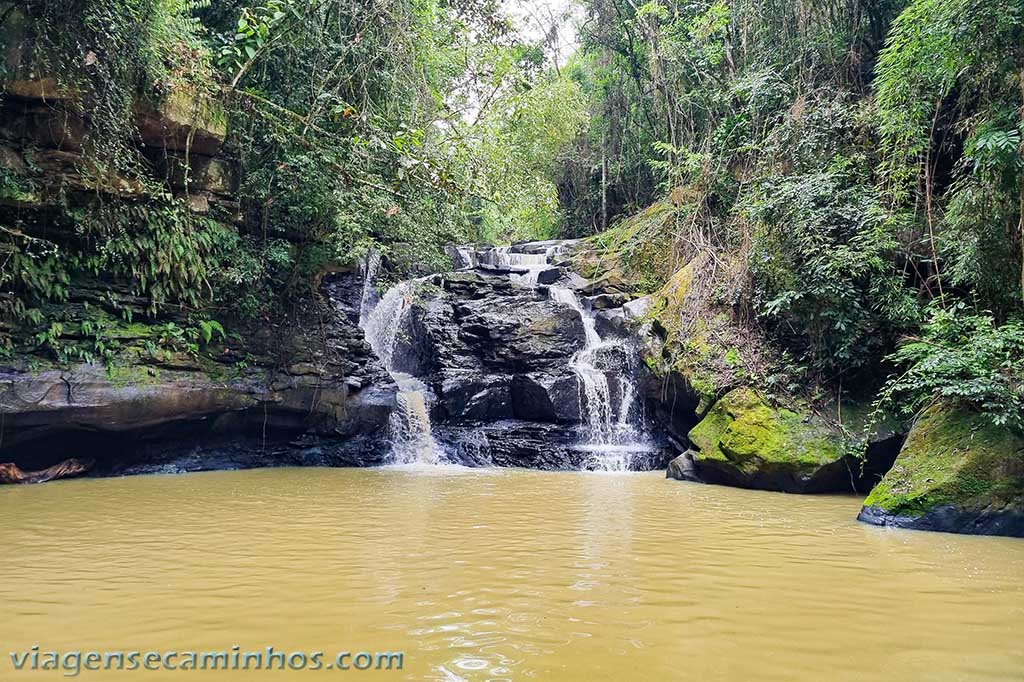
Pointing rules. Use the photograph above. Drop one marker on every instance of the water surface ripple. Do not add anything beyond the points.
(502, 575)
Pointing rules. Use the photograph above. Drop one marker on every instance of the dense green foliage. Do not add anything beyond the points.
(399, 125)
(860, 163)
(962, 358)
(851, 172)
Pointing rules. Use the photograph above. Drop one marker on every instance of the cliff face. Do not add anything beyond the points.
(92, 368)
(321, 399)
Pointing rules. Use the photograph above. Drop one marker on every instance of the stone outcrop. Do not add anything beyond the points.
(496, 357)
(495, 349)
(956, 472)
(44, 130)
(303, 390)
(322, 399)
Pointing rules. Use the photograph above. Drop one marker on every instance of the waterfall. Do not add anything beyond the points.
(611, 434)
(534, 263)
(369, 298)
(467, 257)
(410, 423)
(605, 367)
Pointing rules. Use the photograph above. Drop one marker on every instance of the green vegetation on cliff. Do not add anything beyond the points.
(209, 161)
(817, 196)
(834, 181)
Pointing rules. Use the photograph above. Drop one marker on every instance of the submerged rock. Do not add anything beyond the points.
(956, 472)
(743, 441)
(12, 473)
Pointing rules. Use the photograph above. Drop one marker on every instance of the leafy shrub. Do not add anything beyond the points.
(965, 358)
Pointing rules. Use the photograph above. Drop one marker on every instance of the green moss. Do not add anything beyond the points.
(746, 431)
(187, 107)
(640, 246)
(953, 457)
(694, 347)
(121, 376)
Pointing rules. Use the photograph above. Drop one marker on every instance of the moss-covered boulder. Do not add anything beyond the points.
(744, 441)
(956, 472)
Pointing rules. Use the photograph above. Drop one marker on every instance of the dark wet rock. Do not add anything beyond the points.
(544, 246)
(478, 323)
(956, 472)
(496, 355)
(682, 468)
(549, 275)
(146, 413)
(512, 443)
(469, 395)
(611, 321)
(530, 444)
(492, 351)
(607, 301)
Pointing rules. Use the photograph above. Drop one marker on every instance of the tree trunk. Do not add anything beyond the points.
(604, 181)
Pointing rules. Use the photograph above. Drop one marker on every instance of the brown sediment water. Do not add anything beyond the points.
(500, 575)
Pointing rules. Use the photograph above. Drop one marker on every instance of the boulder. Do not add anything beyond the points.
(694, 348)
(957, 472)
(610, 321)
(472, 321)
(637, 309)
(746, 442)
(548, 275)
(608, 301)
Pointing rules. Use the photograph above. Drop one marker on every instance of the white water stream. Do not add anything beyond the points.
(611, 427)
(413, 441)
(612, 434)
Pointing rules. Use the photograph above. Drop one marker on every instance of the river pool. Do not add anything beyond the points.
(500, 575)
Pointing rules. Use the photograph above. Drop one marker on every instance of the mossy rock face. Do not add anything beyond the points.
(700, 344)
(746, 442)
(186, 120)
(956, 472)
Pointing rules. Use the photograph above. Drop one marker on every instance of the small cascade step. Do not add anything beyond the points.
(411, 430)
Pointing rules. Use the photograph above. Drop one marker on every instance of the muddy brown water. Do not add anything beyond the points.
(499, 575)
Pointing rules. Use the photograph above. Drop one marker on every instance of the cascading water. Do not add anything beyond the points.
(612, 434)
(369, 298)
(533, 263)
(410, 423)
(604, 367)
